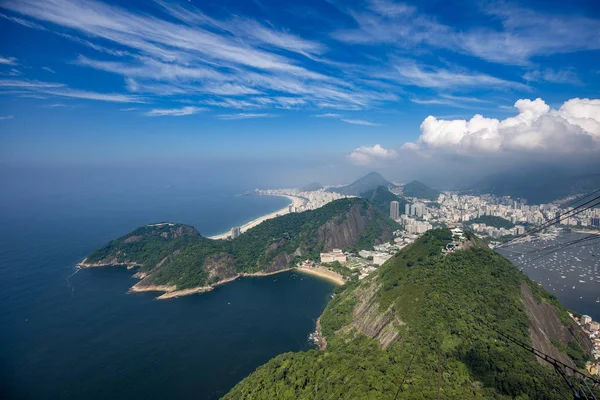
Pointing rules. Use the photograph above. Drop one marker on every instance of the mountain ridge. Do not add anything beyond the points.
(176, 259)
(424, 317)
(363, 184)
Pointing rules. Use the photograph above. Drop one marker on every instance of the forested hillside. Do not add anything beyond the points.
(176, 256)
(422, 325)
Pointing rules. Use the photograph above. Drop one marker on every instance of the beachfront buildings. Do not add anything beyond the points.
(235, 232)
(334, 255)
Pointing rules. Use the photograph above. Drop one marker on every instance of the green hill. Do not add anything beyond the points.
(176, 257)
(420, 190)
(381, 198)
(368, 182)
(491, 220)
(425, 318)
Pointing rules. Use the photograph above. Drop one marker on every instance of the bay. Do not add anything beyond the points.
(78, 335)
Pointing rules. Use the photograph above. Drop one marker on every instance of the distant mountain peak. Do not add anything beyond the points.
(420, 190)
(368, 182)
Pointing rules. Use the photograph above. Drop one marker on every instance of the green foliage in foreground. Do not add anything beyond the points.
(175, 254)
(446, 303)
(492, 220)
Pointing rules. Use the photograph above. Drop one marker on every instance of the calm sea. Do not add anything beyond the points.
(571, 273)
(72, 334)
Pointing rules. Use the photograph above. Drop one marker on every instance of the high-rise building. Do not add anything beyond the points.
(394, 210)
(413, 209)
(235, 232)
(407, 209)
(419, 209)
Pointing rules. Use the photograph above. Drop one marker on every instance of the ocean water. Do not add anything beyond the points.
(73, 334)
(572, 273)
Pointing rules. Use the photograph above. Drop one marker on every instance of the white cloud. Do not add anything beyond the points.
(360, 122)
(55, 105)
(568, 76)
(23, 22)
(228, 117)
(49, 70)
(194, 54)
(174, 112)
(128, 109)
(59, 89)
(522, 34)
(412, 73)
(6, 117)
(366, 155)
(28, 84)
(328, 115)
(573, 128)
(8, 60)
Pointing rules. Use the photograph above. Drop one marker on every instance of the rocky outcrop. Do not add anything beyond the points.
(345, 230)
(369, 320)
(546, 327)
(219, 266)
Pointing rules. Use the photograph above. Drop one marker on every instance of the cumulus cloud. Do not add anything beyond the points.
(366, 155)
(174, 112)
(571, 129)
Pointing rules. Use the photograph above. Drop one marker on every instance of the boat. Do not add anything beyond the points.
(598, 300)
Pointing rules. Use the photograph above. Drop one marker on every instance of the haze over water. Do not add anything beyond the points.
(68, 334)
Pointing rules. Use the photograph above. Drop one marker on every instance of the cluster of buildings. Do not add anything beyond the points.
(313, 200)
(456, 208)
(365, 262)
(491, 231)
(592, 328)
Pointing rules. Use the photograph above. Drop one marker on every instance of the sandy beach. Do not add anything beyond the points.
(296, 202)
(323, 273)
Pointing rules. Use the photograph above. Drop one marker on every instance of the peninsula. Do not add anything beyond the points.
(175, 259)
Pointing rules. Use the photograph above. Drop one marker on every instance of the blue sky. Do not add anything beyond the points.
(337, 81)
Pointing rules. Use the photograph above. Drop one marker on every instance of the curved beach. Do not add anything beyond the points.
(296, 202)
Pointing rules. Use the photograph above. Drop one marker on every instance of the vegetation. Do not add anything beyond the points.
(447, 305)
(420, 190)
(491, 220)
(381, 198)
(175, 254)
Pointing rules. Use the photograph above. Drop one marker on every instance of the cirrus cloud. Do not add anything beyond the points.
(173, 112)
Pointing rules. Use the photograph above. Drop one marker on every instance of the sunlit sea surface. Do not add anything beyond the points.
(571, 273)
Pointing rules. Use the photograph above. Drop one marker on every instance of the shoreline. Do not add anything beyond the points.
(323, 273)
(295, 201)
(170, 292)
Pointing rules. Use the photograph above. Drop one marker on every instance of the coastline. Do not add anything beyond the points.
(324, 273)
(296, 202)
(170, 292)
